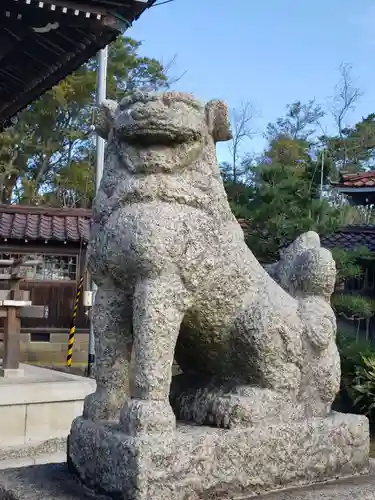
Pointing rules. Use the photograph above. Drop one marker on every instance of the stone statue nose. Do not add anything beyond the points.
(145, 111)
(138, 112)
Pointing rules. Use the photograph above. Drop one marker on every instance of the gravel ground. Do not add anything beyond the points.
(53, 482)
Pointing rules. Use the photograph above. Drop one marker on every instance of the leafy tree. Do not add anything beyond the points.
(284, 206)
(349, 263)
(13, 159)
(240, 196)
(299, 123)
(286, 200)
(354, 149)
(353, 352)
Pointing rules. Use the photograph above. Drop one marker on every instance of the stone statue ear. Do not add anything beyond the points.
(218, 120)
(105, 118)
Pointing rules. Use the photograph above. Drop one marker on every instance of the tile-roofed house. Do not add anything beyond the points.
(58, 238)
(360, 190)
(359, 187)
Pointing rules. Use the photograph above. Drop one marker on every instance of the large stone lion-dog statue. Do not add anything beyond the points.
(176, 279)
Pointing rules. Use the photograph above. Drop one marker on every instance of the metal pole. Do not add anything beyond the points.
(322, 175)
(101, 92)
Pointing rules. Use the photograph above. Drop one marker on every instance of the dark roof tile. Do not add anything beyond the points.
(20, 222)
(6, 224)
(72, 229)
(58, 228)
(18, 226)
(45, 227)
(351, 237)
(32, 227)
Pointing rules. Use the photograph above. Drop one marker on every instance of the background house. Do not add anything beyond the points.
(57, 237)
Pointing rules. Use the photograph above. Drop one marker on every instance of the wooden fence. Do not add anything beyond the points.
(59, 296)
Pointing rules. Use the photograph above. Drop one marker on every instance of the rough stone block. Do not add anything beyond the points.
(39, 407)
(198, 461)
(53, 482)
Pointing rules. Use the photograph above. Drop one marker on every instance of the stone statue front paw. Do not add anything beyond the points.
(101, 406)
(147, 417)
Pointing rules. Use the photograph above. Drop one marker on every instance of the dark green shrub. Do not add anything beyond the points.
(353, 306)
(362, 390)
(357, 395)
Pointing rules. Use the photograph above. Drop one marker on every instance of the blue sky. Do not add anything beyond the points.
(270, 52)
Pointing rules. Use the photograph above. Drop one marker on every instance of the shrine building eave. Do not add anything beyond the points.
(42, 42)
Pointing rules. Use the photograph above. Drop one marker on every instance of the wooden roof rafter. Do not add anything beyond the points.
(41, 42)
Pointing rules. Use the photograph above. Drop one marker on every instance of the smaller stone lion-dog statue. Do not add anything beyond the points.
(175, 278)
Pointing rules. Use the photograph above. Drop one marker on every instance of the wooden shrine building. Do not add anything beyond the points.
(57, 239)
(43, 41)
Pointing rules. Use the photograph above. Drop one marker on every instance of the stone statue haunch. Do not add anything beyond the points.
(175, 278)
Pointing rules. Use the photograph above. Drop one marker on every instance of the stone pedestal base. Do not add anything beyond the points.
(202, 462)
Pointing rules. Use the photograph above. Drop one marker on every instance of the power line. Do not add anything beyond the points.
(162, 3)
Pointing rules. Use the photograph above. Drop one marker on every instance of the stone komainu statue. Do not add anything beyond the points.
(175, 278)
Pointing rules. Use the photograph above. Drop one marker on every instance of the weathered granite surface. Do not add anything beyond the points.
(54, 482)
(175, 278)
(51, 447)
(349, 489)
(308, 273)
(199, 461)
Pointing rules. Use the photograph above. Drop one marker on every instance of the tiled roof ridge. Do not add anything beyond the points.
(352, 228)
(30, 223)
(349, 175)
(46, 210)
(355, 180)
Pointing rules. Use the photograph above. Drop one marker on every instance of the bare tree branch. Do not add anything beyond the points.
(242, 123)
(168, 68)
(345, 98)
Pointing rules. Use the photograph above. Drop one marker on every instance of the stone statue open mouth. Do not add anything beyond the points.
(168, 136)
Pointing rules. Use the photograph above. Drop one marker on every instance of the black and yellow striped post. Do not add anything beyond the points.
(72, 330)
